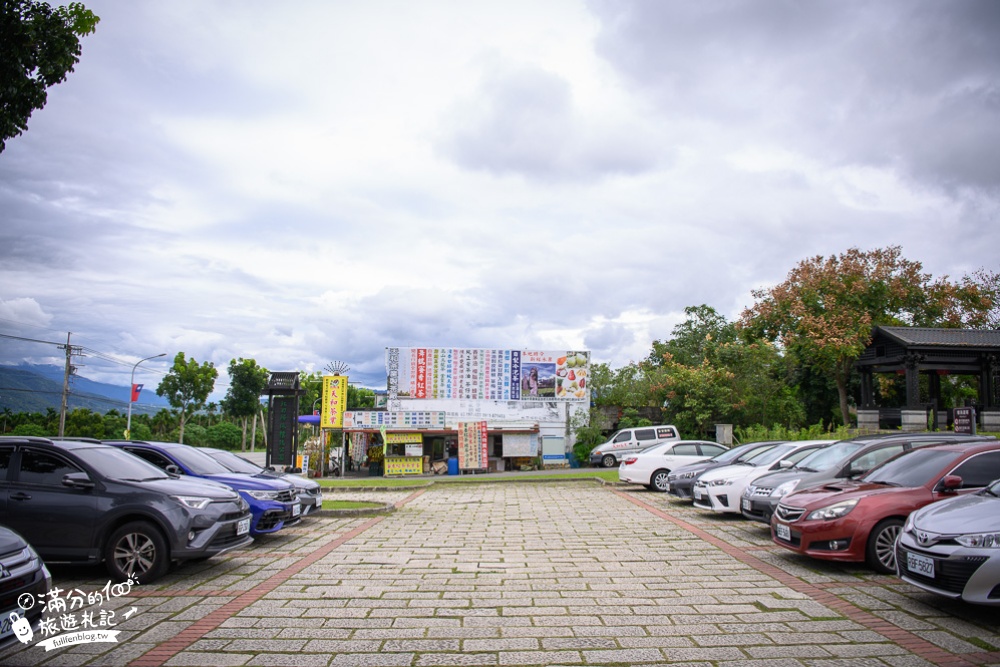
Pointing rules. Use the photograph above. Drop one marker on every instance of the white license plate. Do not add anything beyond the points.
(243, 527)
(745, 504)
(918, 564)
(7, 623)
(296, 509)
(666, 487)
(697, 493)
(783, 532)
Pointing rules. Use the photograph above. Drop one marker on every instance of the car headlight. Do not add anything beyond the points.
(980, 540)
(784, 489)
(908, 524)
(721, 482)
(687, 475)
(194, 502)
(262, 495)
(834, 511)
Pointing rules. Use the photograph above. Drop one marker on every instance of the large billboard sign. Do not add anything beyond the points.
(488, 375)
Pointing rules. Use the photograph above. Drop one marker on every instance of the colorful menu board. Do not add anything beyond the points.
(334, 401)
(489, 375)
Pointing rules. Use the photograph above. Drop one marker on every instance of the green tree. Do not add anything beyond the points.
(39, 46)
(224, 435)
(187, 386)
(247, 381)
(691, 340)
(826, 308)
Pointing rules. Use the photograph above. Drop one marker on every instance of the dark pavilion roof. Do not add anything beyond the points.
(945, 338)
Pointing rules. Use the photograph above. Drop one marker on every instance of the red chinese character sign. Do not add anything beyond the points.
(334, 401)
(472, 445)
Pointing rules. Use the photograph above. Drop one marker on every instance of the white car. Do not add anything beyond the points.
(720, 490)
(651, 466)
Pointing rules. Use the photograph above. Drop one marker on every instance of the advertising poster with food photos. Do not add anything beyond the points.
(490, 375)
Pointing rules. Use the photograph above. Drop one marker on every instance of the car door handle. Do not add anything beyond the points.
(20, 495)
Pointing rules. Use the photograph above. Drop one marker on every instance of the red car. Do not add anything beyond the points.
(858, 521)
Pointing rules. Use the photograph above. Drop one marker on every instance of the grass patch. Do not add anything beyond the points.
(986, 646)
(350, 505)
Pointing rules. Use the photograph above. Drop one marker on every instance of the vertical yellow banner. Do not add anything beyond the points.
(334, 401)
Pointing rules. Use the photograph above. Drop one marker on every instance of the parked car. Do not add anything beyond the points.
(720, 490)
(24, 575)
(308, 491)
(273, 502)
(651, 466)
(952, 547)
(843, 460)
(680, 482)
(631, 441)
(859, 520)
(87, 503)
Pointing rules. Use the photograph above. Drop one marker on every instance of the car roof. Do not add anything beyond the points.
(62, 443)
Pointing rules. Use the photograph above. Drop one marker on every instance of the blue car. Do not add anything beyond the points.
(274, 503)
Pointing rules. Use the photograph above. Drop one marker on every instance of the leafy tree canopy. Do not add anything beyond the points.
(39, 46)
(247, 382)
(826, 308)
(187, 386)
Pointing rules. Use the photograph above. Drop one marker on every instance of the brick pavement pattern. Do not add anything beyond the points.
(555, 573)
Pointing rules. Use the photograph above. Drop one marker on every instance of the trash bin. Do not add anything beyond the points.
(452, 466)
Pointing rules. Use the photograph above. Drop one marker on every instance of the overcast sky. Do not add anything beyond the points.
(309, 181)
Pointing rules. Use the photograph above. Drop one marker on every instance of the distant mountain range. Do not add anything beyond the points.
(31, 388)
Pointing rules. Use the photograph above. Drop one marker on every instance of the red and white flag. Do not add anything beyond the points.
(136, 388)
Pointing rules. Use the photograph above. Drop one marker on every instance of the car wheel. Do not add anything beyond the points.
(138, 550)
(659, 480)
(881, 551)
(609, 461)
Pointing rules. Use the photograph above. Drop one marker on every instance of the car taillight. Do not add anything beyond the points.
(629, 461)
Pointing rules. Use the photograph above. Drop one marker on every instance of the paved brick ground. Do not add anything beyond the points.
(513, 573)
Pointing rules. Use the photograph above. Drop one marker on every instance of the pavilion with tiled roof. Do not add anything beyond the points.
(912, 351)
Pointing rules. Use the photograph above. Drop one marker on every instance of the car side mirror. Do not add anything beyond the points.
(173, 469)
(785, 464)
(950, 483)
(78, 480)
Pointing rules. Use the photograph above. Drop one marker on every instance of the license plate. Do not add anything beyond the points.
(296, 509)
(7, 623)
(243, 527)
(783, 532)
(697, 493)
(666, 487)
(745, 504)
(918, 564)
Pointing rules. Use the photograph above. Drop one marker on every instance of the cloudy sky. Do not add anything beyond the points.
(309, 181)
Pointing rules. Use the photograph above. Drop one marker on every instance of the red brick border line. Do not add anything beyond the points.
(158, 656)
(904, 638)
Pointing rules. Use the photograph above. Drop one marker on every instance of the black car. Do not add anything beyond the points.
(24, 586)
(85, 502)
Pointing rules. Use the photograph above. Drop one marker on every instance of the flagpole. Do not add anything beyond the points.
(131, 394)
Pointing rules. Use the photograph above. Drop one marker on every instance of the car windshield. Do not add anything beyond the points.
(235, 463)
(915, 468)
(769, 456)
(118, 464)
(826, 458)
(199, 463)
(732, 454)
(757, 451)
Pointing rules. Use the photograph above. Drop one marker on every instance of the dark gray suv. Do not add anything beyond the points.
(85, 502)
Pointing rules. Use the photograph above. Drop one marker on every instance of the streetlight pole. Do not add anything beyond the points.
(131, 384)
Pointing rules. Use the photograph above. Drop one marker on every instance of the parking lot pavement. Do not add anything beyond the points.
(513, 573)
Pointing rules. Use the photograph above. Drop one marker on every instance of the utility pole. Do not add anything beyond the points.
(70, 351)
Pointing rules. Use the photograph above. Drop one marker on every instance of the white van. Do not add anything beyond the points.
(630, 441)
